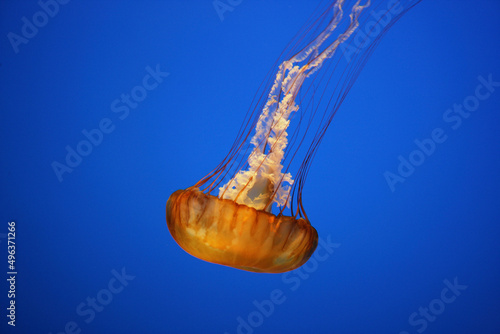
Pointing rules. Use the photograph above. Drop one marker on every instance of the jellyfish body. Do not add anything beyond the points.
(225, 232)
(237, 228)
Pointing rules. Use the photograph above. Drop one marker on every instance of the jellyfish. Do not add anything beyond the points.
(248, 212)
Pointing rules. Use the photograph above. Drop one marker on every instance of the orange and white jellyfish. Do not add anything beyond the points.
(227, 217)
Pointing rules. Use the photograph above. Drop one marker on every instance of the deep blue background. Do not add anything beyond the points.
(396, 248)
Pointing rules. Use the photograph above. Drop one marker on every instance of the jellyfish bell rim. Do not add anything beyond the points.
(224, 232)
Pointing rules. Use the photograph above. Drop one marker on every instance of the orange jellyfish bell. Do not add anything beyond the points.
(225, 232)
(227, 217)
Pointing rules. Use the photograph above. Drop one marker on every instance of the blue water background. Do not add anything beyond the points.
(392, 252)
